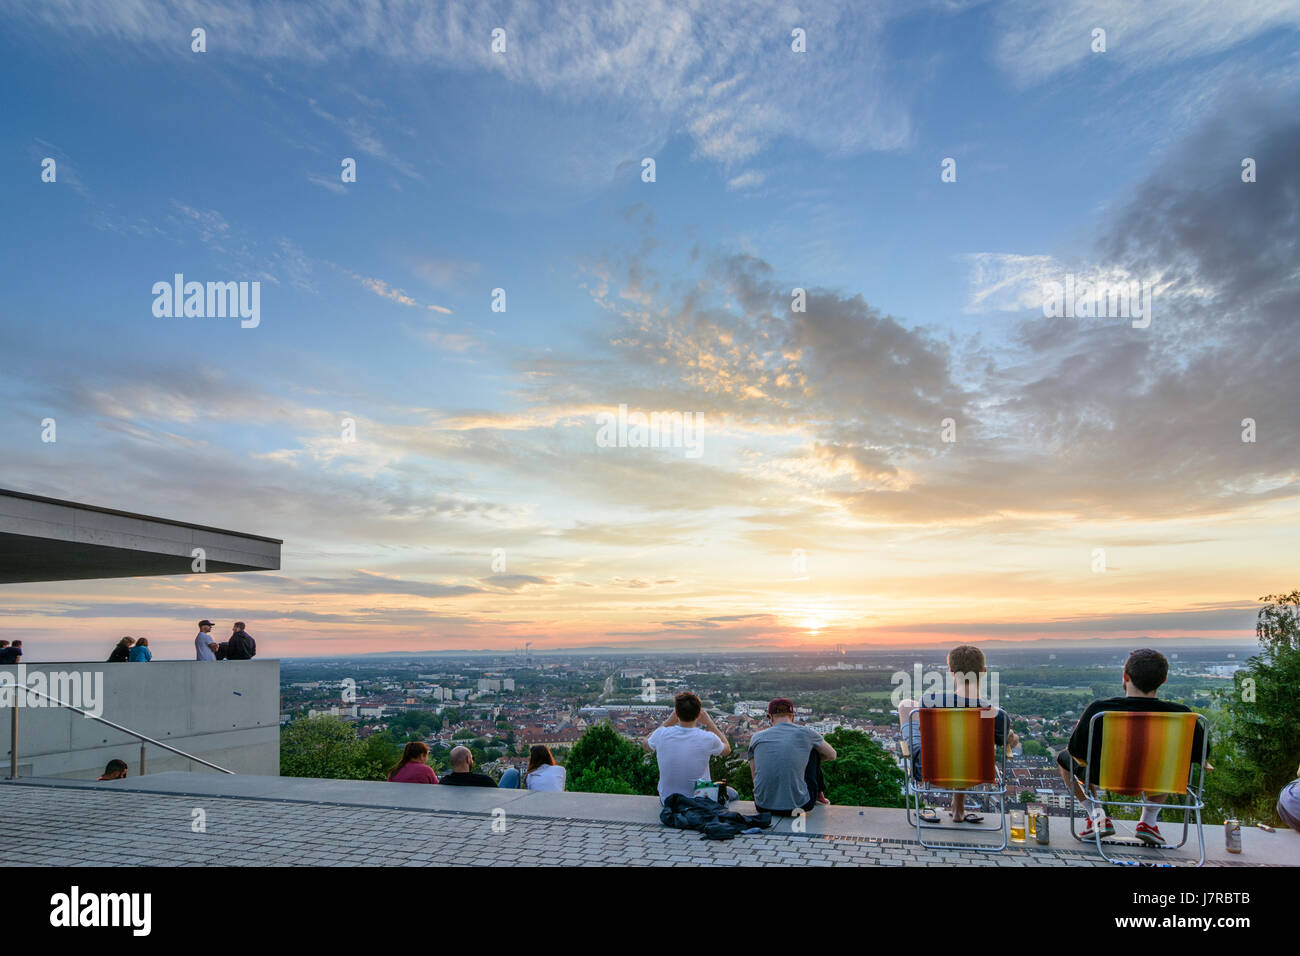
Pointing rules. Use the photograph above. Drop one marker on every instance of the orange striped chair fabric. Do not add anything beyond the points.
(957, 746)
(1144, 751)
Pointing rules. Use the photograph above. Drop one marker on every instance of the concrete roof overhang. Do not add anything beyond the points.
(45, 539)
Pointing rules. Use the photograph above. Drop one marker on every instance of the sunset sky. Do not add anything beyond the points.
(825, 506)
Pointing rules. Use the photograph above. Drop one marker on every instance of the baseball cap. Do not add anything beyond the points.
(781, 705)
(206, 622)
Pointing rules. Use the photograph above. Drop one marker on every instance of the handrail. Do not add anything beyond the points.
(13, 766)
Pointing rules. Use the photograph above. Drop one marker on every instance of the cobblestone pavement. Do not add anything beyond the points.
(81, 827)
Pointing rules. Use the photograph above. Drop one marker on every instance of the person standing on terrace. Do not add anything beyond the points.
(140, 653)
(122, 652)
(241, 646)
(205, 648)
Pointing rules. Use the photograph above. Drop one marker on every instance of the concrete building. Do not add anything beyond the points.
(226, 713)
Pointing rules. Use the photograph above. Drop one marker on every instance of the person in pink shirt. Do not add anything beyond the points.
(414, 766)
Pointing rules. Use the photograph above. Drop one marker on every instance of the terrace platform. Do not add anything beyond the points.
(289, 821)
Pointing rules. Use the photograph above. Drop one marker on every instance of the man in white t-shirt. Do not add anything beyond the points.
(683, 749)
(205, 648)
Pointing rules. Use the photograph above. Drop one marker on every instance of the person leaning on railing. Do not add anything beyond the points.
(122, 651)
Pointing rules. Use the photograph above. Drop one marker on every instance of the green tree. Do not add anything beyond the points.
(1033, 748)
(604, 762)
(322, 747)
(862, 775)
(378, 754)
(1261, 716)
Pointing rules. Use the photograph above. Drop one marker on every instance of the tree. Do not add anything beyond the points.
(604, 762)
(1261, 716)
(862, 775)
(1033, 748)
(323, 747)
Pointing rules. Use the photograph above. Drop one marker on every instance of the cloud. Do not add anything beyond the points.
(750, 179)
(382, 289)
(1037, 40)
(726, 75)
(333, 185)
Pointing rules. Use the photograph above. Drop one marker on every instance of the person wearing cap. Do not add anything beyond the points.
(785, 760)
(205, 648)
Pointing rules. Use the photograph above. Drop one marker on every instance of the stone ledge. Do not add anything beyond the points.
(857, 831)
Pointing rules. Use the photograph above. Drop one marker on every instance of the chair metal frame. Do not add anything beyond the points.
(1194, 794)
(998, 789)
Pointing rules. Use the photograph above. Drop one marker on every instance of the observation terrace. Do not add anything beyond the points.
(293, 821)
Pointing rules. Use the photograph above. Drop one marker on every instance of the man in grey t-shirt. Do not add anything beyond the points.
(785, 760)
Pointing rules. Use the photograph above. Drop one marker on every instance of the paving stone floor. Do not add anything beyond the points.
(80, 827)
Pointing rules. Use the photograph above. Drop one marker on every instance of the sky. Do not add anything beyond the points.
(912, 448)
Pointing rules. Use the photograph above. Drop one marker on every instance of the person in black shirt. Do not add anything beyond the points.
(241, 646)
(1144, 672)
(10, 654)
(462, 775)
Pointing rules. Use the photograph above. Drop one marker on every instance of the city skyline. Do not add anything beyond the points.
(831, 283)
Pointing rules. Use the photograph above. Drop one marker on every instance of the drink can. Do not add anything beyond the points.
(1041, 832)
(1232, 835)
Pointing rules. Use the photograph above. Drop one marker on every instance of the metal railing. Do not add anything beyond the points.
(144, 739)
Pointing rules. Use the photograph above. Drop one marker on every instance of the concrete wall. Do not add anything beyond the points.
(227, 712)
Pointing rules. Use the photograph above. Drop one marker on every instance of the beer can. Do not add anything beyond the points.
(1040, 832)
(1232, 835)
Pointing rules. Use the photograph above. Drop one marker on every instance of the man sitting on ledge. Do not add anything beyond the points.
(786, 761)
(462, 773)
(683, 749)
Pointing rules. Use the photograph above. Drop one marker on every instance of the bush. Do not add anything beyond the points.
(604, 762)
(327, 747)
(863, 774)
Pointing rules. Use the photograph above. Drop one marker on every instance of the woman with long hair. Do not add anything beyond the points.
(543, 773)
(140, 652)
(122, 652)
(414, 765)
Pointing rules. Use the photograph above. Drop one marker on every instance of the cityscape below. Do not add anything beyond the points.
(501, 705)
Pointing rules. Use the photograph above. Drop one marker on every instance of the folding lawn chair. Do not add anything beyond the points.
(958, 755)
(1144, 753)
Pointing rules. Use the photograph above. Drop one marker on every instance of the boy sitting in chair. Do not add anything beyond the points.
(966, 663)
(1144, 672)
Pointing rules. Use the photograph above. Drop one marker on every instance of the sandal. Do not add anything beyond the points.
(928, 815)
(970, 818)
